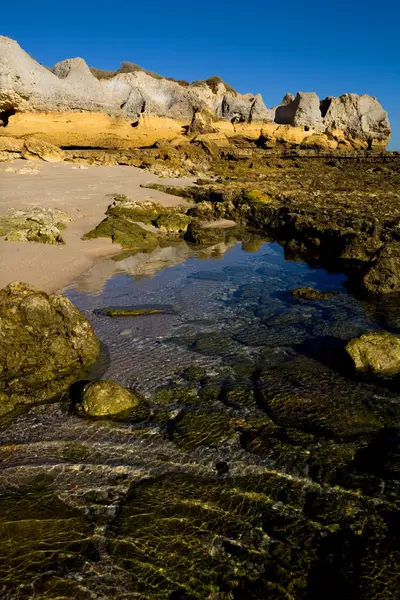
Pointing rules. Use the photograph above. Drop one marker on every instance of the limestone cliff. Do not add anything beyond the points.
(124, 107)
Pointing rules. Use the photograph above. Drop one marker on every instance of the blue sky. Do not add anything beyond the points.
(272, 48)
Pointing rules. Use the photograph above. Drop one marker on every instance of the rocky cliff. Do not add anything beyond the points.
(72, 104)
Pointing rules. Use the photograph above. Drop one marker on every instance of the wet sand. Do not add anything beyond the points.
(83, 194)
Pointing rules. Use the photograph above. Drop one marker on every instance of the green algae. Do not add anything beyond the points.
(196, 234)
(267, 532)
(172, 222)
(194, 373)
(129, 235)
(174, 394)
(311, 294)
(40, 533)
(36, 224)
(76, 452)
(46, 345)
(197, 428)
(134, 311)
(125, 219)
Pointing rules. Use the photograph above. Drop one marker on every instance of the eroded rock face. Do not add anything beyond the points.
(45, 344)
(36, 148)
(360, 117)
(26, 86)
(104, 398)
(378, 352)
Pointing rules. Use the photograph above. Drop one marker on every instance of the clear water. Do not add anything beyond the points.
(227, 294)
(241, 484)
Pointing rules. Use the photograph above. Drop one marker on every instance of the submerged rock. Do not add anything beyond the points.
(311, 294)
(133, 311)
(104, 398)
(45, 344)
(378, 352)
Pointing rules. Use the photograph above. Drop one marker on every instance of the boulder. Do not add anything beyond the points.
(382, 275)
(303, 111)
(360, 117)
(36, 148)
(106, 398)
(235, 109)
(45, 345)
(378, 352)
(307, 112)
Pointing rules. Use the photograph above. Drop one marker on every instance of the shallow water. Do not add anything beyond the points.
(263, 468)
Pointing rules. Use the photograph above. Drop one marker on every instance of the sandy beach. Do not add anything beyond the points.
(82, 192)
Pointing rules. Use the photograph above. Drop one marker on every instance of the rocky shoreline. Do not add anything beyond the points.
(267, 463)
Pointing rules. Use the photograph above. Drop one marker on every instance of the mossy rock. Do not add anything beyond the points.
(194, 373)
(320, 412)
(306, 395)
(76, 452)
(238, 396)
(45, 345)
(214, 344)
(36, 224)
(143, 212)
(224, 545)
(382, 272)
(198, 428)
(256, 196)
(106, 398)
(311, 294)
(376, 352)
(174, 395)
(173, 222)
(129, 235)
(209, 236)
(135, 311)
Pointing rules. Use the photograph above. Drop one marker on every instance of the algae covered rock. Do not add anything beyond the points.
(34, 225)
(310, 294)
(383, 272)
(173, 222)
(135, 311)
(378, 352)
(208, 236)
(45, 345)
(104, 398)
(130, 235)
(126, 222)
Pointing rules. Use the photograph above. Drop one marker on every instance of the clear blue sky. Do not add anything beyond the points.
(259, 46)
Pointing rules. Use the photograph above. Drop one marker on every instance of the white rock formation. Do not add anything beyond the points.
(70, 86)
